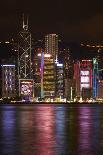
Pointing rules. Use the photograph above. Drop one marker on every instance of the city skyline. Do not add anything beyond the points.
(74, 21)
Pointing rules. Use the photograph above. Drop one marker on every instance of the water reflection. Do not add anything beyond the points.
(60, 129)
(71, 131)
(51, 130)
(45, 126)
(26, 130)
(7, 138)
(84, 131)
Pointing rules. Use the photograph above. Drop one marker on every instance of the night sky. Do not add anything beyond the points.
(75, 20)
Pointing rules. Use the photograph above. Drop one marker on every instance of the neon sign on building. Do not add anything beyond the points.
(86, 74)
(26, 88)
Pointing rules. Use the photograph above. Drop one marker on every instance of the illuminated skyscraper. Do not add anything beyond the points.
(24, 61)
(95, 77)
(47, 75)
(37, 63)
(59, 80)
(51, 45)
(83, 71)
(8, 80)
(24, 53)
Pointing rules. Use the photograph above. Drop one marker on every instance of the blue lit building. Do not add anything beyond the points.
(95, 78)
(8, 80)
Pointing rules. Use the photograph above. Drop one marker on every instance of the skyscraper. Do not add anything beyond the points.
(24, 52)
(24, 62)
(8, 80)
(83, 78)
(51, 45)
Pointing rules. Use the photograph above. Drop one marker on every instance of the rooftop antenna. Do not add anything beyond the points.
(25, 26)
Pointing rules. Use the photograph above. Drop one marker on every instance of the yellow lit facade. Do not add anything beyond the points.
(49, 77)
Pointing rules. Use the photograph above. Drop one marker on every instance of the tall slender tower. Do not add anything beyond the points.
(24, 52)
(25, 80)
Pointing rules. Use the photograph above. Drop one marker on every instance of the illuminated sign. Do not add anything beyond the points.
(45, 55)
(8, 65)
(85, 85)
(85, 73)
(59, 65)
(26, 87)
(85, 79)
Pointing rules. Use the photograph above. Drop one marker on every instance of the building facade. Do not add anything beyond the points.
(59, 80)
(8, 80)
(51, 45)
(25, 71)
(83, 75)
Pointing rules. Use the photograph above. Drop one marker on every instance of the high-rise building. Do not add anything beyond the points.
(24, 60)
(59, 68)
(51, 45)
(77, 78)
(95, 78)
(83, 75)
(66, 59)
(8, 80)
(48, 76)
(44, 75)
(37, 63)
(24, 53)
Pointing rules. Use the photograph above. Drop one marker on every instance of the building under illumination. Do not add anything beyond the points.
(48, 76)
(95, 78)
(59, 80)
(51, 45)
(83, 75)
(25, 71)
(8, 80)
(37, 71)
(44, 76)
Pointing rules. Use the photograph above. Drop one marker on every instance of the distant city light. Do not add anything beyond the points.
(59, 65)
(39, 54)
(8, 65)
(45, 55)
(7, 42)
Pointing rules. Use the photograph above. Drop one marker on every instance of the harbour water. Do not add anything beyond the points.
(51, 129)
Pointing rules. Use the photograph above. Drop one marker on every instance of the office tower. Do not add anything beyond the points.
(37, 71)
(8, 80)
(86, 79)
(77, 77)
(95, 77)
(51, 45)
(48, 76)
(83, 73)
(66, 59)
(49, 70)
(59, 80)
(24, 60)
(44, 75)
(24, 52)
